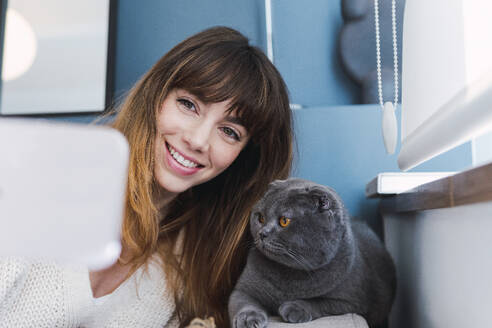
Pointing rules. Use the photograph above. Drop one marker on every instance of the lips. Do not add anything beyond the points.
(181, 159)
(180, 163)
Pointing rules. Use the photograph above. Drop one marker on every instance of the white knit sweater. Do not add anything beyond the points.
(39, 294)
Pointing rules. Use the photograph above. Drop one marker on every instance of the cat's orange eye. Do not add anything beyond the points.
(283, 221)
(261, 219)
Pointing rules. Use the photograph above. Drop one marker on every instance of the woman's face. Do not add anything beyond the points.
(195, 141)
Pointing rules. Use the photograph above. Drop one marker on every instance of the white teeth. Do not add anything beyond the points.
(180, 159)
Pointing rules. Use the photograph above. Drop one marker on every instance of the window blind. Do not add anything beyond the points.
(446, 76)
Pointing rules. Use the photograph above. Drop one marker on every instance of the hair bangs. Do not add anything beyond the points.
(234, 75)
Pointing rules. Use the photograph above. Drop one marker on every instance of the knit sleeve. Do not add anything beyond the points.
(13, 273)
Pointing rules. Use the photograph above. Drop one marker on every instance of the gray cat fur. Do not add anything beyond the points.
(334, 267)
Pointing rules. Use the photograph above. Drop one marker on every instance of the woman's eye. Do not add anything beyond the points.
(230, 133)
(188, 104)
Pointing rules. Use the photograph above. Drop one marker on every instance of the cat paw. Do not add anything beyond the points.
(250, 318)
(295, 312)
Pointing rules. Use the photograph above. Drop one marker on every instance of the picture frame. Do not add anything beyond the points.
(56, 56)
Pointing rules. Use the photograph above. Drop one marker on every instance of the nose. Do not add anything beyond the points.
(198, 136)
(263, 234)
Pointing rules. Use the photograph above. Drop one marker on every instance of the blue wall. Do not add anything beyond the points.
(148, 29)
(305, 52)
(342, 147)
(305, 40)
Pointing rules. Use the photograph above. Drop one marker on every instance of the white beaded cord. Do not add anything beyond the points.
(378, 52)
(395, 50)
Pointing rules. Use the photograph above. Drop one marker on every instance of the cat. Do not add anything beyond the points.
(310, 261)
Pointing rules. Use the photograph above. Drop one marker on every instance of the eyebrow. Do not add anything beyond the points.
(234, 120)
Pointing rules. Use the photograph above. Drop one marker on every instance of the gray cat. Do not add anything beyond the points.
(310, 261)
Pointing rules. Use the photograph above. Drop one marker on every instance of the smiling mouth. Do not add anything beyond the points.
(181, 160)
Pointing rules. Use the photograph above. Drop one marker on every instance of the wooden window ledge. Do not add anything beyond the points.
(467, 187)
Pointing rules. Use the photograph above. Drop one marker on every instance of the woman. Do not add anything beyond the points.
(209, 126)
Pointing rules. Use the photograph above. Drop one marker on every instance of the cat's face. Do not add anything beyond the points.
(298, 223)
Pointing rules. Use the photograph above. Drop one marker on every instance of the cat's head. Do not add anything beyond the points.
(298, 223)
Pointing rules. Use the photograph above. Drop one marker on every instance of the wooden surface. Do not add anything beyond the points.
(468, 187)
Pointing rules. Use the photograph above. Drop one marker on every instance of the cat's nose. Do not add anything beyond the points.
(263, 234)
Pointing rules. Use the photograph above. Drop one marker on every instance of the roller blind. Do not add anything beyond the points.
(446, 76)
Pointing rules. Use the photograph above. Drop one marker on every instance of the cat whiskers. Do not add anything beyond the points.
(300, 260)
(250, 244)
(274, 247)
(281, 249)
(256, 242)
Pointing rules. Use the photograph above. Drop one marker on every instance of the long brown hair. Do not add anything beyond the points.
(215, 65)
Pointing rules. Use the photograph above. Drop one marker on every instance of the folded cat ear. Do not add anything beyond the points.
(322, 202)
